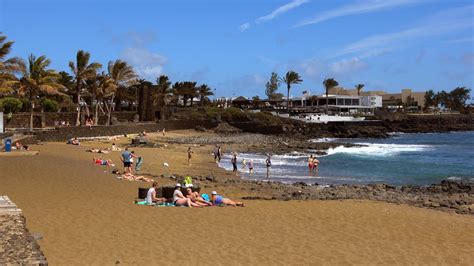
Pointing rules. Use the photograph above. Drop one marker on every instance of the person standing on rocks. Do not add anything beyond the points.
(268, 164)
(234, 163)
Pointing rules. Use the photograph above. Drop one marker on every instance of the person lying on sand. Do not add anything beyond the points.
(98, 151)
(74, 141)
(131, 177)
(180, 200)
(151, 198)
(196, 198)
(101, 161)
(21, 147)
(218, 200)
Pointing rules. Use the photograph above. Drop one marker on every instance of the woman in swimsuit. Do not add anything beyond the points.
(180, 200)
(310, 163)
(194, 196)
(218, 199)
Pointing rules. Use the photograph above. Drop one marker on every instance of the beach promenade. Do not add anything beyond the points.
(87, 216)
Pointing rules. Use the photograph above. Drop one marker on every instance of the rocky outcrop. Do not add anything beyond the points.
(17, 245)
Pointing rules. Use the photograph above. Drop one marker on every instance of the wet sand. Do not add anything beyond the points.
(86, 216)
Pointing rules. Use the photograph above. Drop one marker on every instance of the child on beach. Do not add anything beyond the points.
(190, 154)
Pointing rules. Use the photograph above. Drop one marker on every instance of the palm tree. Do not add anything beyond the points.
(204, 91)
(163, 94)
(8, 67)
(328, 84)
(38, 79)
(122, 75)
(82, 71)
(290, 78)
(359, 88)
(104, 94)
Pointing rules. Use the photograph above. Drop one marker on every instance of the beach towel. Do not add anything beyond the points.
(139, 163)
(163, 204)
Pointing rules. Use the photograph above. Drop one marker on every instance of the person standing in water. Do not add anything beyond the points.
(251, 167)
(315, 165)
(310, 163)
(234, 163)
(268, 164)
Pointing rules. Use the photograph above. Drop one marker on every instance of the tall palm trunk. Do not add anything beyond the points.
(288, 99)
(96, 114)
(327, 101)
(109, 109)
(78, 117)
(31, 112)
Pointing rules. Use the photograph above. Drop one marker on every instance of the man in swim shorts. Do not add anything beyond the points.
(126, 159)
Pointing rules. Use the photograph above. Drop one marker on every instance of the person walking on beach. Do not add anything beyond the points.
(268, 164)
(218, 154)
(234, 163)
(190, 154)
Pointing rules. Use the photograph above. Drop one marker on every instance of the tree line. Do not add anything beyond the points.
(453, 100)
(32, 85)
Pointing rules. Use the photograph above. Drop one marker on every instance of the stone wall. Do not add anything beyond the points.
(22, 120)
(65, 133)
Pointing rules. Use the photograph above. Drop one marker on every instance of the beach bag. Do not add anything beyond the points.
(188, 181)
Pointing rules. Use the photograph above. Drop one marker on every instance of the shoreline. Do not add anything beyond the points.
(87, 216)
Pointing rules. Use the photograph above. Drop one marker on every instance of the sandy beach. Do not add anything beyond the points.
(87, 216)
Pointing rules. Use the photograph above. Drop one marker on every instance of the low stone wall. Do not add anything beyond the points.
(17, 245)
(22, 120)
(65, 133)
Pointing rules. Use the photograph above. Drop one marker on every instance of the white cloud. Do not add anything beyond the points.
(347, 66)
(147, 64)
(354, 9)
(442, 23)
(281, 10)
(244, 27)
(277, 12)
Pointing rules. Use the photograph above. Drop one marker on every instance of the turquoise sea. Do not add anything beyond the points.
(401, 159)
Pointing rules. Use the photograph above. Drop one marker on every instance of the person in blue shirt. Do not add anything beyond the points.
(126, 159)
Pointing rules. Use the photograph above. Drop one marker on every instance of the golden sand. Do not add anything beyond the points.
(87, 217)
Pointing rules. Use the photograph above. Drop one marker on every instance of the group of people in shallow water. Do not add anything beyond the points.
(190, 198)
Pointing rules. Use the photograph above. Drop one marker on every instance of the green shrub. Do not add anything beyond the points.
(265, 117)
(236, 114)
(10, 104)
(196, 116)
(49, 105)
(25, 105)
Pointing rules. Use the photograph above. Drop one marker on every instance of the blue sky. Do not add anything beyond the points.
(233, 46)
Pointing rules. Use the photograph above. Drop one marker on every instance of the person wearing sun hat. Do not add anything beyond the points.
(180, 200)
(220, 200)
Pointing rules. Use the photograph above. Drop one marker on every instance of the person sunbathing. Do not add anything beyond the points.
(101, 161)
(180, 200)
(131, 177)
(115, 148)
(74, 141)
(151, 198)
(218, 200)
(196, 198)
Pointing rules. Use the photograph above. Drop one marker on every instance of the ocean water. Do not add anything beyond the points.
(401, 159)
